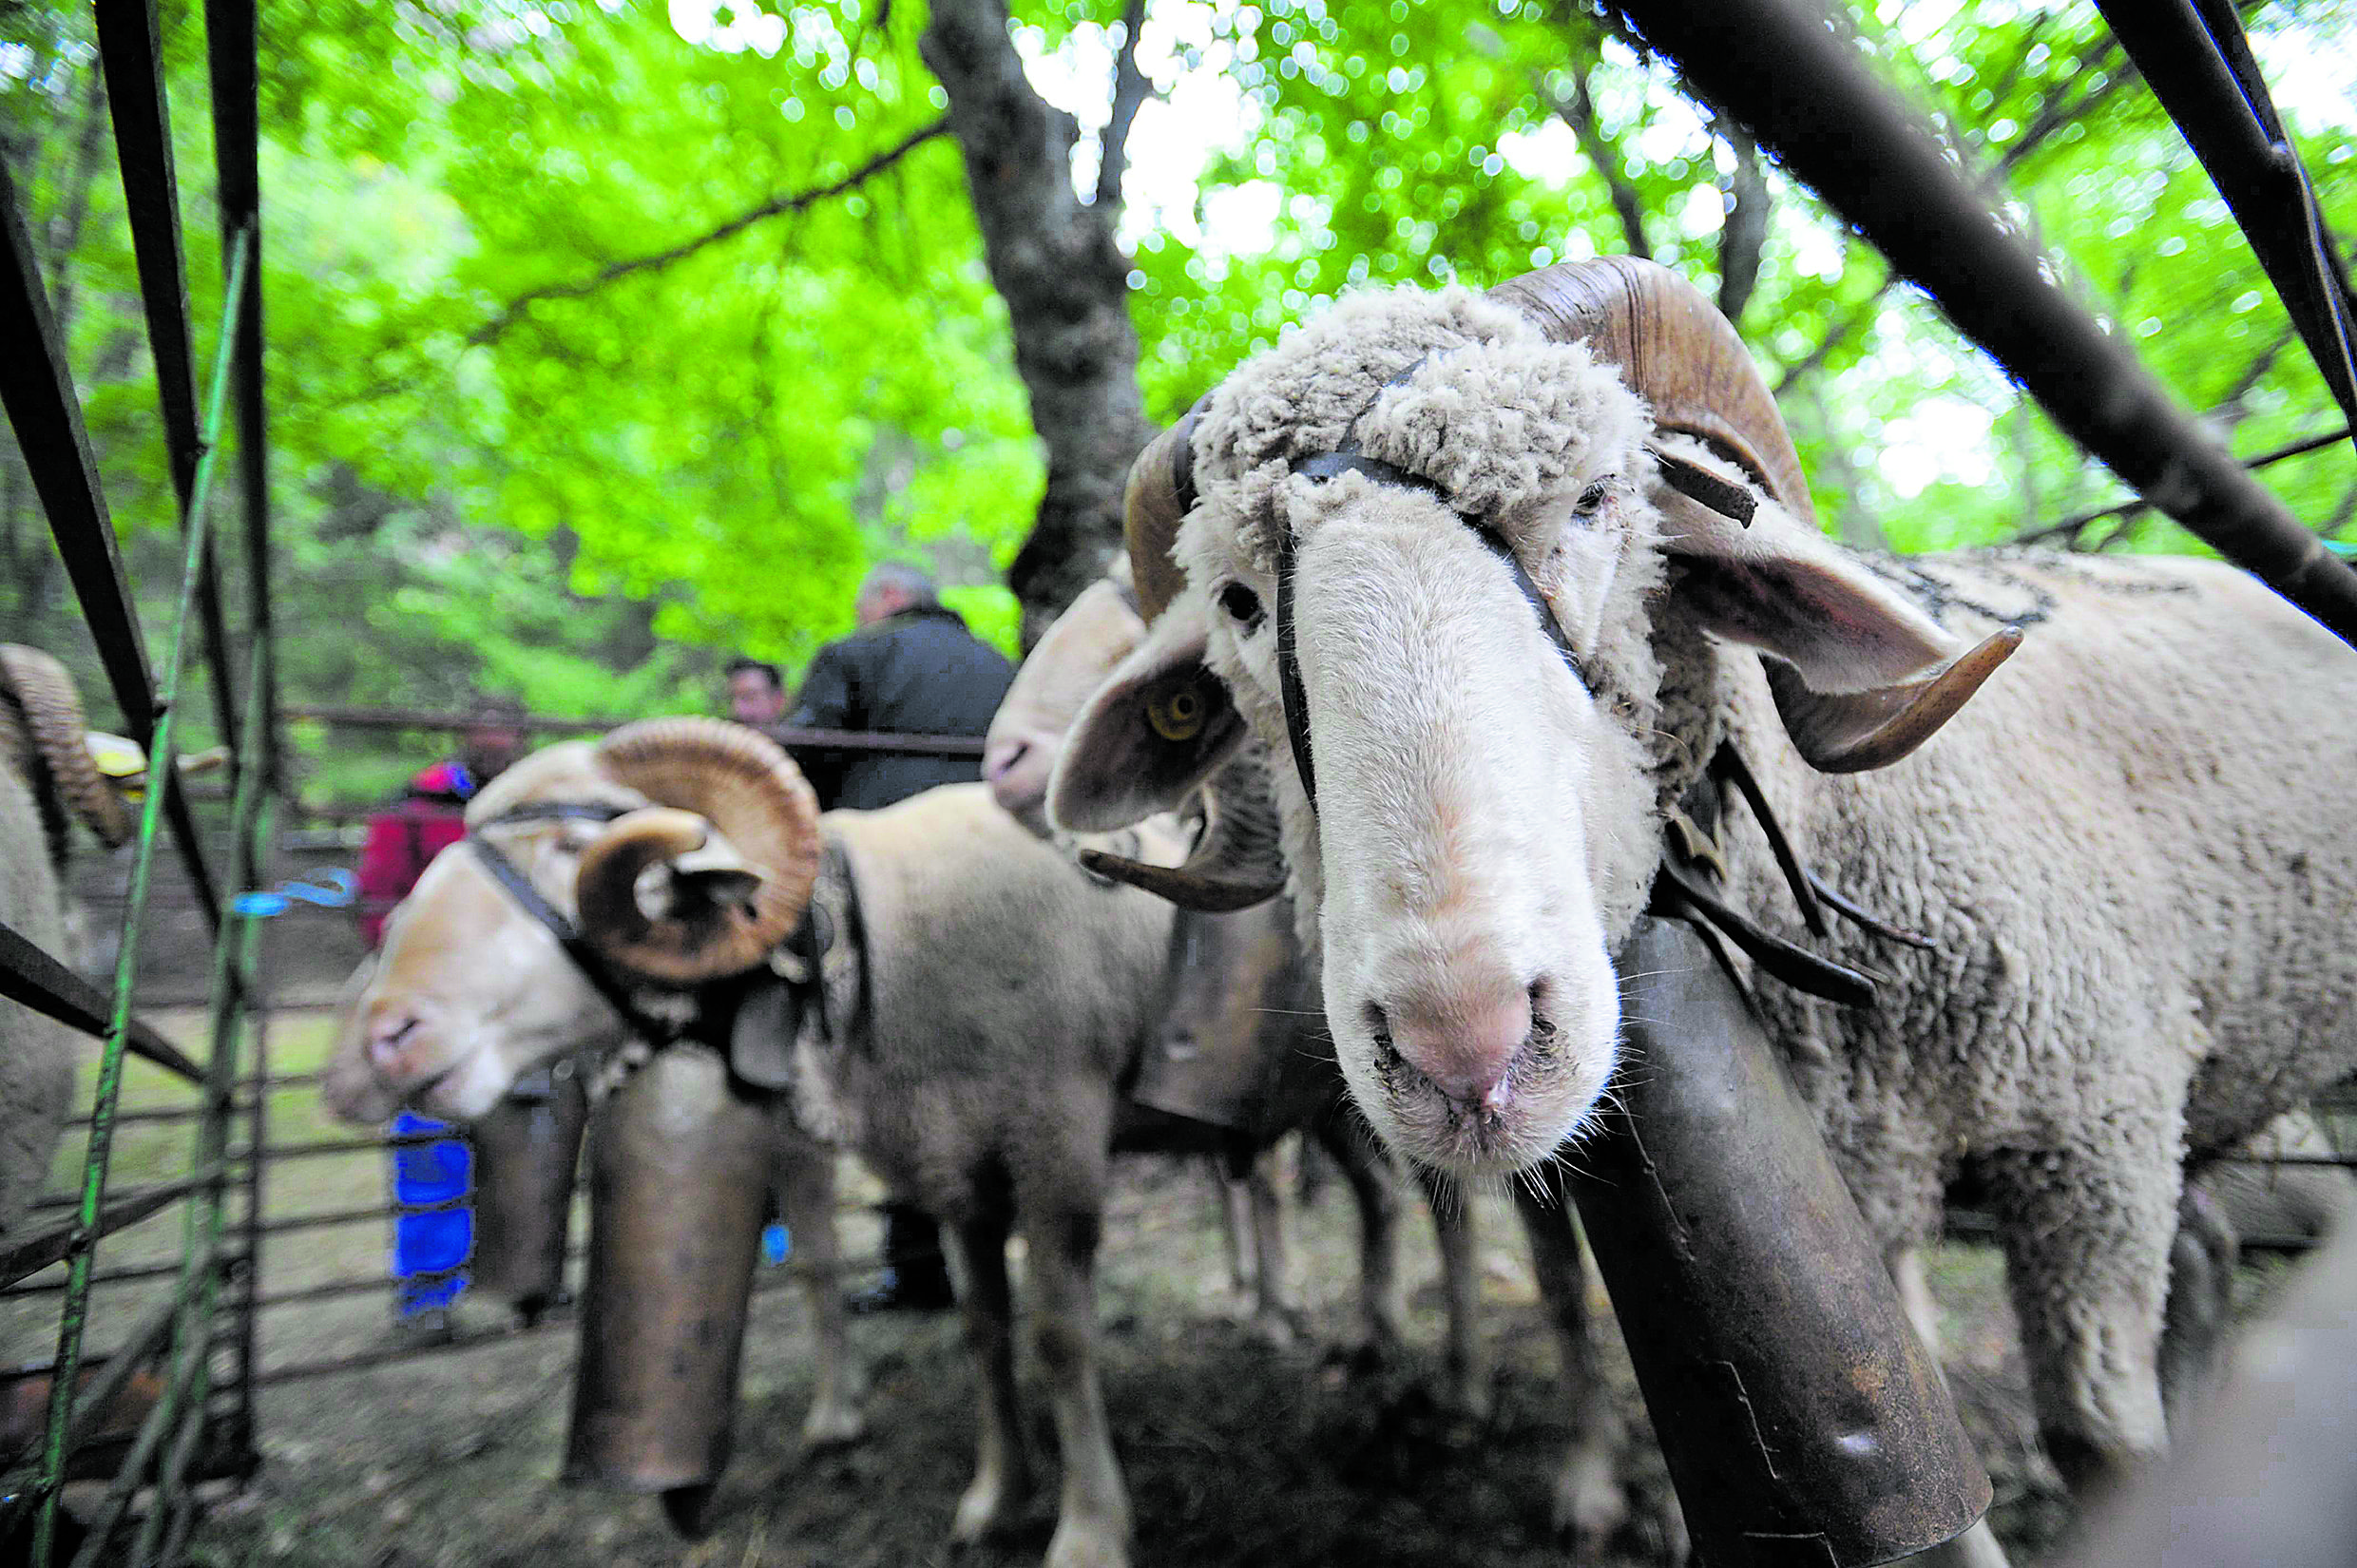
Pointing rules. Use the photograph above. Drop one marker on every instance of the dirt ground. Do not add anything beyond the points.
(1235, 1452)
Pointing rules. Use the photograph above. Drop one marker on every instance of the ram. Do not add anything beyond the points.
(46, 781)
(1496, 578)
(977, 1007)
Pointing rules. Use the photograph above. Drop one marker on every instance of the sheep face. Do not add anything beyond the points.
(1078, 651)
(1475, 816)
(468, 992)
(1487, 821)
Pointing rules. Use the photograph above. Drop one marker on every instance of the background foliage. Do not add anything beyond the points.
(609, 337)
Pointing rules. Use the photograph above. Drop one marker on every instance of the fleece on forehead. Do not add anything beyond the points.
(1499, 424)
(567, 771)
(1494, 413)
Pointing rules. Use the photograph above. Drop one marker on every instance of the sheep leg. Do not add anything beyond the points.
(1464, 1382)
(1275, 1318)
(2087, 1233)
(805, 1189)
(1092, 1525)
(1373, 1184)
(2201, 1299)
(1001, 1483)
(1589, 1503)
(1236, 1225)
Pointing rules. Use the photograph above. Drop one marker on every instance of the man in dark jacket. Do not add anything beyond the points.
(912, 667)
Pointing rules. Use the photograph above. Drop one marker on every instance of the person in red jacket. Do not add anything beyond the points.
(431, 815)
(432, 1237)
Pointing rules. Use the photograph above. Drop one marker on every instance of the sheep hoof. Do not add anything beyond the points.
(1589, 1506)
(1278, 1328)
(990, 1505)
(1087, 1543)
(837, 1426)
(689, 1509)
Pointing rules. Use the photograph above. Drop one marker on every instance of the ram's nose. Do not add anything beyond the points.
(390, 1033)
(1016, 767)
(1463, 1039)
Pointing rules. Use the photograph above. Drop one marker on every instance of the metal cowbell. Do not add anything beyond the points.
(1801, 1417)
(526, 1153)
(679, 1170)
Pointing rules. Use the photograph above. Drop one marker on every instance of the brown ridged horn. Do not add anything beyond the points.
(1858, 731)
(746, 787)
(50, 715)
(1236, 862)
(1684, 357)
(1678, 352)
(1160, 493)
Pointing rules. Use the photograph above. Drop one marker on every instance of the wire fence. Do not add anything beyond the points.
(194, 1346)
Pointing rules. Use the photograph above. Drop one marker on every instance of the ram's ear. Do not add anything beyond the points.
(1861, 674)
(1158, 727)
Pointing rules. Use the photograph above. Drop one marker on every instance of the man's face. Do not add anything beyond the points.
(490, 749)
(754, 698)
(878, 602)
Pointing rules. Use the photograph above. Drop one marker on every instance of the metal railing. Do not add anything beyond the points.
(203, 1326)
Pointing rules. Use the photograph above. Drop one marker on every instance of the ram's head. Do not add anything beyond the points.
(681, 851)
(1432, 551)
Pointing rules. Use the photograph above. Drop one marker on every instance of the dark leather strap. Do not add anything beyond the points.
(576, 948)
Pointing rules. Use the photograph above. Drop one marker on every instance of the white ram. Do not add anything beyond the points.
(2124, 848)
(972, 1048)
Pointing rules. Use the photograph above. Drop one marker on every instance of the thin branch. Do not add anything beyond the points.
(1578, 110)
(2057, 114)
(2070, 527)
(1743, 234)
(2229, 408)
(1130, 88)
(777, 207)
(1866, 310)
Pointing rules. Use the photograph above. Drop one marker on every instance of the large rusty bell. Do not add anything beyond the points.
(679, 1167)
(526, 1152)
(1801, 1417)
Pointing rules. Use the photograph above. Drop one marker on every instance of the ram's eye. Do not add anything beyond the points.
(1241, 603)
(1593, 497)
(1176, 714)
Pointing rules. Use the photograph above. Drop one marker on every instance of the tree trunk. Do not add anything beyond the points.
(1053, 258)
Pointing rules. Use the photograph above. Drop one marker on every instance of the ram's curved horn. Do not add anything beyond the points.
(1236, 862)
(49, 712)
(1684, 357)
(1858, 731)
(1160, 495)
(1678, 352)
(746, 787)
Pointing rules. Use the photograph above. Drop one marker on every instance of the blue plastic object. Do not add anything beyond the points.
(776, 1243)
(434, 1243)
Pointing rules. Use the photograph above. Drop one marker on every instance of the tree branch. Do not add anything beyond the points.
(2057, 114)
(1130, 88)
(1866, 310)
(514, 309)
(1743, 234)
(2070, 527)
(1578, 110)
